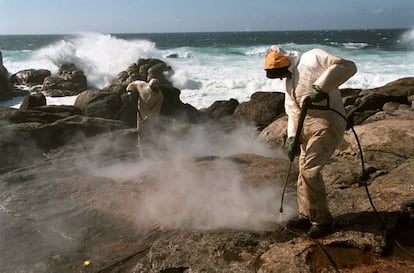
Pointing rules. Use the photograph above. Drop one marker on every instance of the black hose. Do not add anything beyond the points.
(364, 176)
(324, 251)
(364, 179)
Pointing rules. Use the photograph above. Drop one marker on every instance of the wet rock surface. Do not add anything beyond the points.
(94, 204)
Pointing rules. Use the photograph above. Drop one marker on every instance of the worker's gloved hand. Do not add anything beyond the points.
(142, 124)
(317, 95)
(291, 152)
(131, 95)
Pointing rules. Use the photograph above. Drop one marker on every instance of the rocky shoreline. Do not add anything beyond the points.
(74, 187)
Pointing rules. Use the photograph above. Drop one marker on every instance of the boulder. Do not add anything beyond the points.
(349, 96)
(68, 78)
(371, 101)
(33, 100)
(30, 77)
(76, 189)
(27, 134)
(43, 114)
(96, 103)
(109, 105)
(275, 135)
(386, 143)
(222, 108)
(263, 108)
(64, 110)
(143, 70)
(5, 92)
(3, 69)
(174, 108)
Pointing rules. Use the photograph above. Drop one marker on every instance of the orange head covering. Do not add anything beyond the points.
(275, 59)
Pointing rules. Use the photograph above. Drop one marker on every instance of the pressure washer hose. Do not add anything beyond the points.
(307, 104)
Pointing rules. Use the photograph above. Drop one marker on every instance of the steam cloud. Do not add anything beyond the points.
(179, 193)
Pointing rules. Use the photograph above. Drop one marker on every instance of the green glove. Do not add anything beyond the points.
(131, 95)
(291, 152)
(317, 95)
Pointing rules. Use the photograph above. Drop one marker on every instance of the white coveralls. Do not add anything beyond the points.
(150, 99)
(322, 129)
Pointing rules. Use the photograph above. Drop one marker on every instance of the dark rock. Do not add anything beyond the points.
(9, 116)
(109, 105)
(95, 103)
(3, 69)
(143, 70)
(96, 199)
(371, 101)
(349, 96)
(5, 91)
(84, 216)
(173, 107)
(67, 78)
(64, 110)
(33, 100)
(220, 109)
(27, 134)
(160, 71)
(112, 105)
(263, 108)
(30, 77)
(172, 55)
(275, 134)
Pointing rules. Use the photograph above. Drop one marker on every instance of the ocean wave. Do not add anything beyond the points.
(351, 45)
(206, 74)
(407, 39)
(100, 56)
(256, 51)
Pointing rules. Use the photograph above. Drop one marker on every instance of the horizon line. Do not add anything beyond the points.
(224, 31)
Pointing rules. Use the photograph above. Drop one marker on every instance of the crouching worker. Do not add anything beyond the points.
(150, 99)
(316, 74)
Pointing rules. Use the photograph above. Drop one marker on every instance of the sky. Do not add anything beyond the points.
(147, 16)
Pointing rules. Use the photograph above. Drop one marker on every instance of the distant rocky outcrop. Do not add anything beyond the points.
(33, 100)
(222, 108)
(5, 92)
(143, 70)
(69, 80)
(30, 77)
(3, 69)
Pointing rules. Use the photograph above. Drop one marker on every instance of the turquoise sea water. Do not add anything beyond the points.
(213, 66)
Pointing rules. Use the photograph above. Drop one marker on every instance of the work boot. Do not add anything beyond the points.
(318, 231)
(298, 223)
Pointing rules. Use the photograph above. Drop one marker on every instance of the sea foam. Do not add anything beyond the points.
(100, 56)
(205, 74)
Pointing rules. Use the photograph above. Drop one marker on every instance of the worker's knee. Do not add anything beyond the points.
(310, 173)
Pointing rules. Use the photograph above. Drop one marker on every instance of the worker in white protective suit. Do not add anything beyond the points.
(318, 74)
(150, 99)
(149, 103)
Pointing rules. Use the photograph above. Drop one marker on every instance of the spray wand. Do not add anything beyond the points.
(307, 103)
